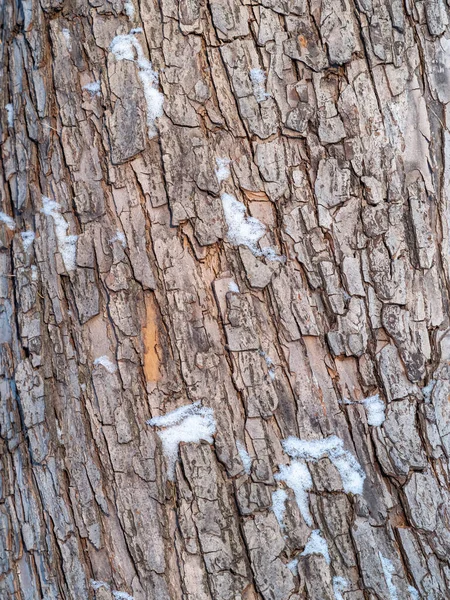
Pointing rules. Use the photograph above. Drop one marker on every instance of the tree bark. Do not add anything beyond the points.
(255, 226)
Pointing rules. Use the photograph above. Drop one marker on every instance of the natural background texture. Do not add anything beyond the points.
(343, 154)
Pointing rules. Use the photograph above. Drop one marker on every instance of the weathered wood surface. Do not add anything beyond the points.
(343, 154)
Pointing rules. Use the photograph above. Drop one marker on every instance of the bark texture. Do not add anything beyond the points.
(147, 287)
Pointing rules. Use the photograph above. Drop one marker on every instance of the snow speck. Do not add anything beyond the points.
(375, 410)
(244, 456)
(119, 237)
(316, 544)
(270, 254)
(269, 363)
(279, 498)
(258, 79)
(345, 401)
(428, 390)
(388, 572)
(293, 566)
(339, 585)
(96, 585)
(66, 34)
(10, 114)
(190, 423)
(413, 593)
(349, 469)
(298, 478)
(93, 88)
(27, 239)
(127, 47)
(121, 595)
(222, 170)
(106, 363)
(67, 244)
(128, 9)
(233, 287)
(8, 221)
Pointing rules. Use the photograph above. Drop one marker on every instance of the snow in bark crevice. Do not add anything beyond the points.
(375, 409)
(351, 472)
(8, 221)
(317, 544)
(67, 244)
(222, 169)
(191, 423)
(279, 498)
(298, 478)
(244, 230)
(258, 79)
(93, 88)
(388, 572)
(105, 362)
(127, 47)
(244, 456)
(27, 239)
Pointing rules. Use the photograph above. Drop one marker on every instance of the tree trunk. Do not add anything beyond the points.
(251, 230)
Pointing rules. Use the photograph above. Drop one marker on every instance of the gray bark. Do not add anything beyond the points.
(139, 294)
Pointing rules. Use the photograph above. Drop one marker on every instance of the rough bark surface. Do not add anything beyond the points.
(136, 297)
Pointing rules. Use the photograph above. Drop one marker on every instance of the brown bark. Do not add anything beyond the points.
(147, 288)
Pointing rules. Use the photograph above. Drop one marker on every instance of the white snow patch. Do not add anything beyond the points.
(348, 467)
(128, 9)
(222, 170)
(119, 237)
(27, 239)
(413, 593)
(375, 408)
(298, 478)
(121, 595)
(8, 221)
(67, 244)
(105, 362)
(339, 585)
(388, 572)
(316, 544)
(279, 498)
(10, 114)
(244, 456)
(66, 34)
(233, 287)
(258, 79)
(93, 88)
(242, 229)
(190, 423)
(127, 47)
